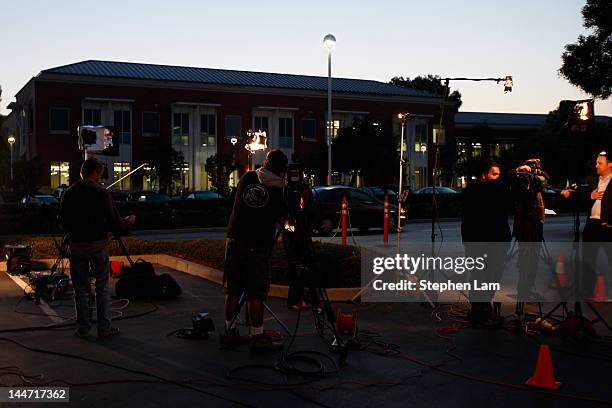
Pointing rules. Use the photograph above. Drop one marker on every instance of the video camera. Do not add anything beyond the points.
(533, 179)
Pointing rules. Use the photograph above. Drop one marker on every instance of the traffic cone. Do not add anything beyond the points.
(544, 376)
(599, 292)
(561, 278)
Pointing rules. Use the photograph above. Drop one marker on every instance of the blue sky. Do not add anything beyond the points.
(376, 40)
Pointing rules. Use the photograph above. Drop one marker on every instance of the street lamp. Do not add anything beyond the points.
(330, 43)
(11, 140)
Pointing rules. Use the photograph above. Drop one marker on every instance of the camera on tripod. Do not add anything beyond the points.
(531, 177)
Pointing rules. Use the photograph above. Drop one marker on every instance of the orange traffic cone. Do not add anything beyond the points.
(561, 278)
(599, 292)
(544, 376)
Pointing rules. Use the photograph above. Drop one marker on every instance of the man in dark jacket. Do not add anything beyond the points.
(88, 215)
(257, 215)
(597, 231)
(484, 220)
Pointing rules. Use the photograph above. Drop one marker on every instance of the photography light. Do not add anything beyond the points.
(581, 109)
(256, 141)
(98, 139)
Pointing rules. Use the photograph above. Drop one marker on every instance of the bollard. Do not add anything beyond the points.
(386, 222)
(344, 214)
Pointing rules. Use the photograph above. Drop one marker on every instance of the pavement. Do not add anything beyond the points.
(422, 366)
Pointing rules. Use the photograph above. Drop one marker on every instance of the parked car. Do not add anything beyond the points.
(365, 211)
(58, 192)
(379, 192)
(39, 199)
(120, 196)
(148, 196)
(204, 195)
(439, 190)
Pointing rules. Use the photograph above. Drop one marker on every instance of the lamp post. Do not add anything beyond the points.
(11, 140)
(402, 117)
(330, 43)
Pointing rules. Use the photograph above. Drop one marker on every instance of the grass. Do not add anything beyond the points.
(339, 266)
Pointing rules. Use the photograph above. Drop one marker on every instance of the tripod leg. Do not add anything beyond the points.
(599, 317)
(241, 303)
(275, 317)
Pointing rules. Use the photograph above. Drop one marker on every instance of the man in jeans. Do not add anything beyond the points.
(89, 215)
(256, 216)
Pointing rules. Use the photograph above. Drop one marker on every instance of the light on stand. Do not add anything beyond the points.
(508, 83)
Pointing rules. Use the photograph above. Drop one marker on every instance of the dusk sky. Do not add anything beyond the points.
(376, 40)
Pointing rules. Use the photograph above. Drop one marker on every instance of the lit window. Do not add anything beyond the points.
(60, 174)
(121, 169)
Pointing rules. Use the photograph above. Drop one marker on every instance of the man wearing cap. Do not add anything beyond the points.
(88, 216)
(257, 215)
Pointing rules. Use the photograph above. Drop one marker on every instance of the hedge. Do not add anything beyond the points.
(340, 266)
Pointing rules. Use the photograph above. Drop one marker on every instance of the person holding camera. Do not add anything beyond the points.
(88, 216)
(527, 187)
(257, 215)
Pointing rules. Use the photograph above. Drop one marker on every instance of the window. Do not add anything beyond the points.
(208, 130)
(359, 198)
(180, 129)
(121, 169)
(59, 119)
(149, 179)
(439, 135)
(285, 132)
(476, 150)
(420, 138)
(260, 123)
(204, 179)
(92, 117)
(308, 129)
(180, 178)
(60, 174)
(150, 124)
(233, 125)
(334, 130)
(123, 126)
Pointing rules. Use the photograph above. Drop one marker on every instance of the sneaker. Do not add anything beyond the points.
(263, 342)
(108, 332)
(82, 332)
(231, 337)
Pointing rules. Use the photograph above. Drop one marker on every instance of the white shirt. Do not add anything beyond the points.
(601, 187)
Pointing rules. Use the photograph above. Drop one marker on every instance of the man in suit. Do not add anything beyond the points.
(597, 231)
(485, 229)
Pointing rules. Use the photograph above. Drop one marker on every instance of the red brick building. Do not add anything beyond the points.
(197, 111)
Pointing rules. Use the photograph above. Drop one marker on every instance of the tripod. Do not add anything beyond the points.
(242, 302)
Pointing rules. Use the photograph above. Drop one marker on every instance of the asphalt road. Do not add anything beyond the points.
(556, 229)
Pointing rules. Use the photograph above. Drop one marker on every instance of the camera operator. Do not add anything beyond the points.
(484, 219)
(88, 215)
(257, 214)
(527, 186)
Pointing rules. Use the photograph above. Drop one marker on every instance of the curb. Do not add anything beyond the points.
(208, 273)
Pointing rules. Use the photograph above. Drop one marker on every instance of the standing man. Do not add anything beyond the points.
(597, 231)
(88, 215)
(257, 215)
(484, 219)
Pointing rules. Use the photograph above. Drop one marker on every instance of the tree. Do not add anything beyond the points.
(219, 167)
(27, 173)
(366, 149)
(163, 160)
(430, 83)
(587, 63)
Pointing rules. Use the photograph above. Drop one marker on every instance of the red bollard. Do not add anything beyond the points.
(344, 213)
(386, 223)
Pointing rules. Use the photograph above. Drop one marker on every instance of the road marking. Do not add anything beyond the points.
(43, 305)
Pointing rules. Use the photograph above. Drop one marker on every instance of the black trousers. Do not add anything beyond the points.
(594, 238)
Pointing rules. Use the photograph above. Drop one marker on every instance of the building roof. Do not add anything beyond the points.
(500, 119)
(508, 120)
(110, 69)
